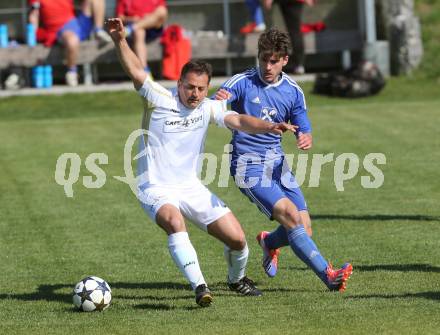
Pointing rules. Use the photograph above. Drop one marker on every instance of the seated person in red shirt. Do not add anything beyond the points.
(144, 20)
(56, 22)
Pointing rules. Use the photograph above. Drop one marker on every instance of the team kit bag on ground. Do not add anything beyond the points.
(363, 80)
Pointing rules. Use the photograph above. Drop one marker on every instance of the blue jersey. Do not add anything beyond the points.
(282, 101)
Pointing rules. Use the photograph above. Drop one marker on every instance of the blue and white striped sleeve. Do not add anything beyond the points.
(234, 86)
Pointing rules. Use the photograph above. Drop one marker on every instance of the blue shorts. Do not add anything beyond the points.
(81, 25)
(266, 193)
(153, 33)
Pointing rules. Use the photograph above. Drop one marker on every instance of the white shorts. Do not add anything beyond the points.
(195, 202)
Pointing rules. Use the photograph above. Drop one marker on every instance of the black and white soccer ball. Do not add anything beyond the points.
(92, 294)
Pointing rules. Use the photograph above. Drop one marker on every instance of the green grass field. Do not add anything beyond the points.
(48, 241)
(429, 13)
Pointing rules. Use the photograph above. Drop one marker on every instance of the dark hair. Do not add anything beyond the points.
(274, 41)
(198, 66)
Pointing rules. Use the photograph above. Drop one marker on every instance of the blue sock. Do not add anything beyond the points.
(277, 238)
(304, 247)
(73, 69)
(147, 69)
(258, 16)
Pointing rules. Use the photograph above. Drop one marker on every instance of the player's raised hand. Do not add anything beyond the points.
(115, 28)
(222, 94)
(304, 141)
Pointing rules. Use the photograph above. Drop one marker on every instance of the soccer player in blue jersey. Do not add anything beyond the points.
(258, 165)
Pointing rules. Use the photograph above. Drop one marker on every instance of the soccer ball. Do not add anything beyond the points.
(92, 294)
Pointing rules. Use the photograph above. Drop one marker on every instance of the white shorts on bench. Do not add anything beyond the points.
(195, 202)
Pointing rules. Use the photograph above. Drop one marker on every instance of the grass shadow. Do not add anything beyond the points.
(155, 307)
(47, 292)
(44, 292)
(165, 307)
(151, 286)
(375, 217)
(429, 295)
(398, 268)
(380, 267)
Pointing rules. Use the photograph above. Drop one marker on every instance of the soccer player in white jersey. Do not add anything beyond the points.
(268, 93)
(176, 122)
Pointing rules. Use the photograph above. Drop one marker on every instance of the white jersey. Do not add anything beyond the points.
(176, 136)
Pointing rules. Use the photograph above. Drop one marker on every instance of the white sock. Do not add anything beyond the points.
(185, 257)
(237, 260)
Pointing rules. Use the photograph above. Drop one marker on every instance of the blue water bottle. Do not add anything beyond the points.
(3, 36)
(31, 38)
(38, 76)
(47, 76)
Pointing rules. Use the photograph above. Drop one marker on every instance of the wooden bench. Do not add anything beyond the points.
(343, 36)
(203, 47)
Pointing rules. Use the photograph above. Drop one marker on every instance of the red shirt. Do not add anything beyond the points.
(54, 13)
(137, 7)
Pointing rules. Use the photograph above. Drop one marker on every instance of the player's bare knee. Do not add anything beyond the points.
(70, 40)
(175, 224)
(161, 15)
(291, 219)
(286, 214)
(237, 243)
(295, 218)
(170, 222)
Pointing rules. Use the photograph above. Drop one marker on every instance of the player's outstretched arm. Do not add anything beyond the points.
(253, 125)
(128, 59)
